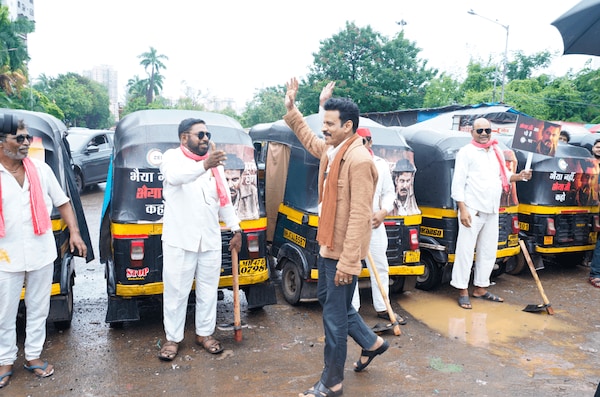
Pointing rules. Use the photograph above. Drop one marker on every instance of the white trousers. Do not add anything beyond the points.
(482, 234)
(377, 248)
(38, 285)
(180, 268)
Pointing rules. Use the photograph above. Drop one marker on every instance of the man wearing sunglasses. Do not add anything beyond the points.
(28, 191)
(196, 196)
(480, 177)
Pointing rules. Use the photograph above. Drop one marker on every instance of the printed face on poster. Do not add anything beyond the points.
(536, 136)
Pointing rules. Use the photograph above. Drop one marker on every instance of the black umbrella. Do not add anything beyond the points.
(580, 28)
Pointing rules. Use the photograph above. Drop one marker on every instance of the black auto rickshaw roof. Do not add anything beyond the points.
(158, 127)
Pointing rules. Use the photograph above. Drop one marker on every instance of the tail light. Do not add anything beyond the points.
(515, 224)
(550, 229)
(597, 223)
(413, 239)
(253, 246)
(137, 253)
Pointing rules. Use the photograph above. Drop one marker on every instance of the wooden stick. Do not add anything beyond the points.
(391, 313)
(535, 277)
(237, 322)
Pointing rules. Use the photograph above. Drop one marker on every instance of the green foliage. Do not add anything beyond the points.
(84, 102)
(13, 49)
(523, 66)
(379, 74)
(442, 91)
(266, 106)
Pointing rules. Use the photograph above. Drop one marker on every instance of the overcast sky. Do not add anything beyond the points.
(232, 48)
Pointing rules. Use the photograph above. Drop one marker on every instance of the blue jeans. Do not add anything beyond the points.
(339, 320)
(595, 265)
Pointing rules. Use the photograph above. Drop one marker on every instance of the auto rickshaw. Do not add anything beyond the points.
(435, 153)
(289, 175)
(48, 146)
(130, 235)
(558, 207)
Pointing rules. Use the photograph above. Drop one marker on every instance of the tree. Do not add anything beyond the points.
(84, 102)
(442, 91)
(266, 106)
(523, 66)
(377, 73)
(153, 60)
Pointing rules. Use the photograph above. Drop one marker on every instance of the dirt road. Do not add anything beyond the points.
(493, 350)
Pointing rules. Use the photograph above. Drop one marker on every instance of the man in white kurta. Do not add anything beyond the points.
(26, 257)
(383, 204)
(480, 174)
(192, 235)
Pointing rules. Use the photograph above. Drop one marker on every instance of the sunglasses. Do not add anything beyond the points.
(201, 135)
(21, 138)
(482, 130)
(366, 139)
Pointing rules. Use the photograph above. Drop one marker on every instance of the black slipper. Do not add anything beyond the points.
(371, 354)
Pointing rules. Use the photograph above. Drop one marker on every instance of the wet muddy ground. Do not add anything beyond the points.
(495, 349)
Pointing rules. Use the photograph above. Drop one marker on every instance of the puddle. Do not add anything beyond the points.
(486, 324)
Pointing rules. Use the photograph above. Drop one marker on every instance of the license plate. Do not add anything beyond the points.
(412, 256)
(248, 266)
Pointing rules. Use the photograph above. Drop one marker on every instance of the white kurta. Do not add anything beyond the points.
(382, 199)
(21, 249)
(477, 183)
(191, 242)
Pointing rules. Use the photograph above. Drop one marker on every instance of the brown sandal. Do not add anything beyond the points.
(209, 343)
(167, 353)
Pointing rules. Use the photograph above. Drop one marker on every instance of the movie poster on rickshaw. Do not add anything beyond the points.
(242, 180)
(536, 136)
(402, 168)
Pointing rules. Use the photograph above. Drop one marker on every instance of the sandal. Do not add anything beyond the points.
(489, 296)
(209, 343)
(5, 378)
(167, 353)
(370, 354)
(320, 390)
(595, 281)
(386, 316)
(464, 302)
(40, 370)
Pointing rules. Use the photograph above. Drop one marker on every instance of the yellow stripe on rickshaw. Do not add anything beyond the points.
(561, 250)
(297, 216)
(548, 210)
(438, 213)
(58, 225)
(54, 291)
(400, 270)
(136, 229)
(409, 220)
(501, 253)
(137, 290)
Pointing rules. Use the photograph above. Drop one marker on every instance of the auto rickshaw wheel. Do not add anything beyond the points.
(432, 277)
(66, 324)
(519, 265)
(79, 181)
(291, 282)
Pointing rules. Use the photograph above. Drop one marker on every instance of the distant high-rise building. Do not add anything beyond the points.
(107, 76)
(18, 8)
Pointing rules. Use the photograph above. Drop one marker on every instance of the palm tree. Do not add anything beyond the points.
(153, 61)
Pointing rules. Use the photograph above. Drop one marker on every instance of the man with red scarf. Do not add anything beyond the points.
(347, 179)
(196, 197)
(480, 176)
(28, 191)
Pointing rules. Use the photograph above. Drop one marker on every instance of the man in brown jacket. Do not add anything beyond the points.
(347, 179)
